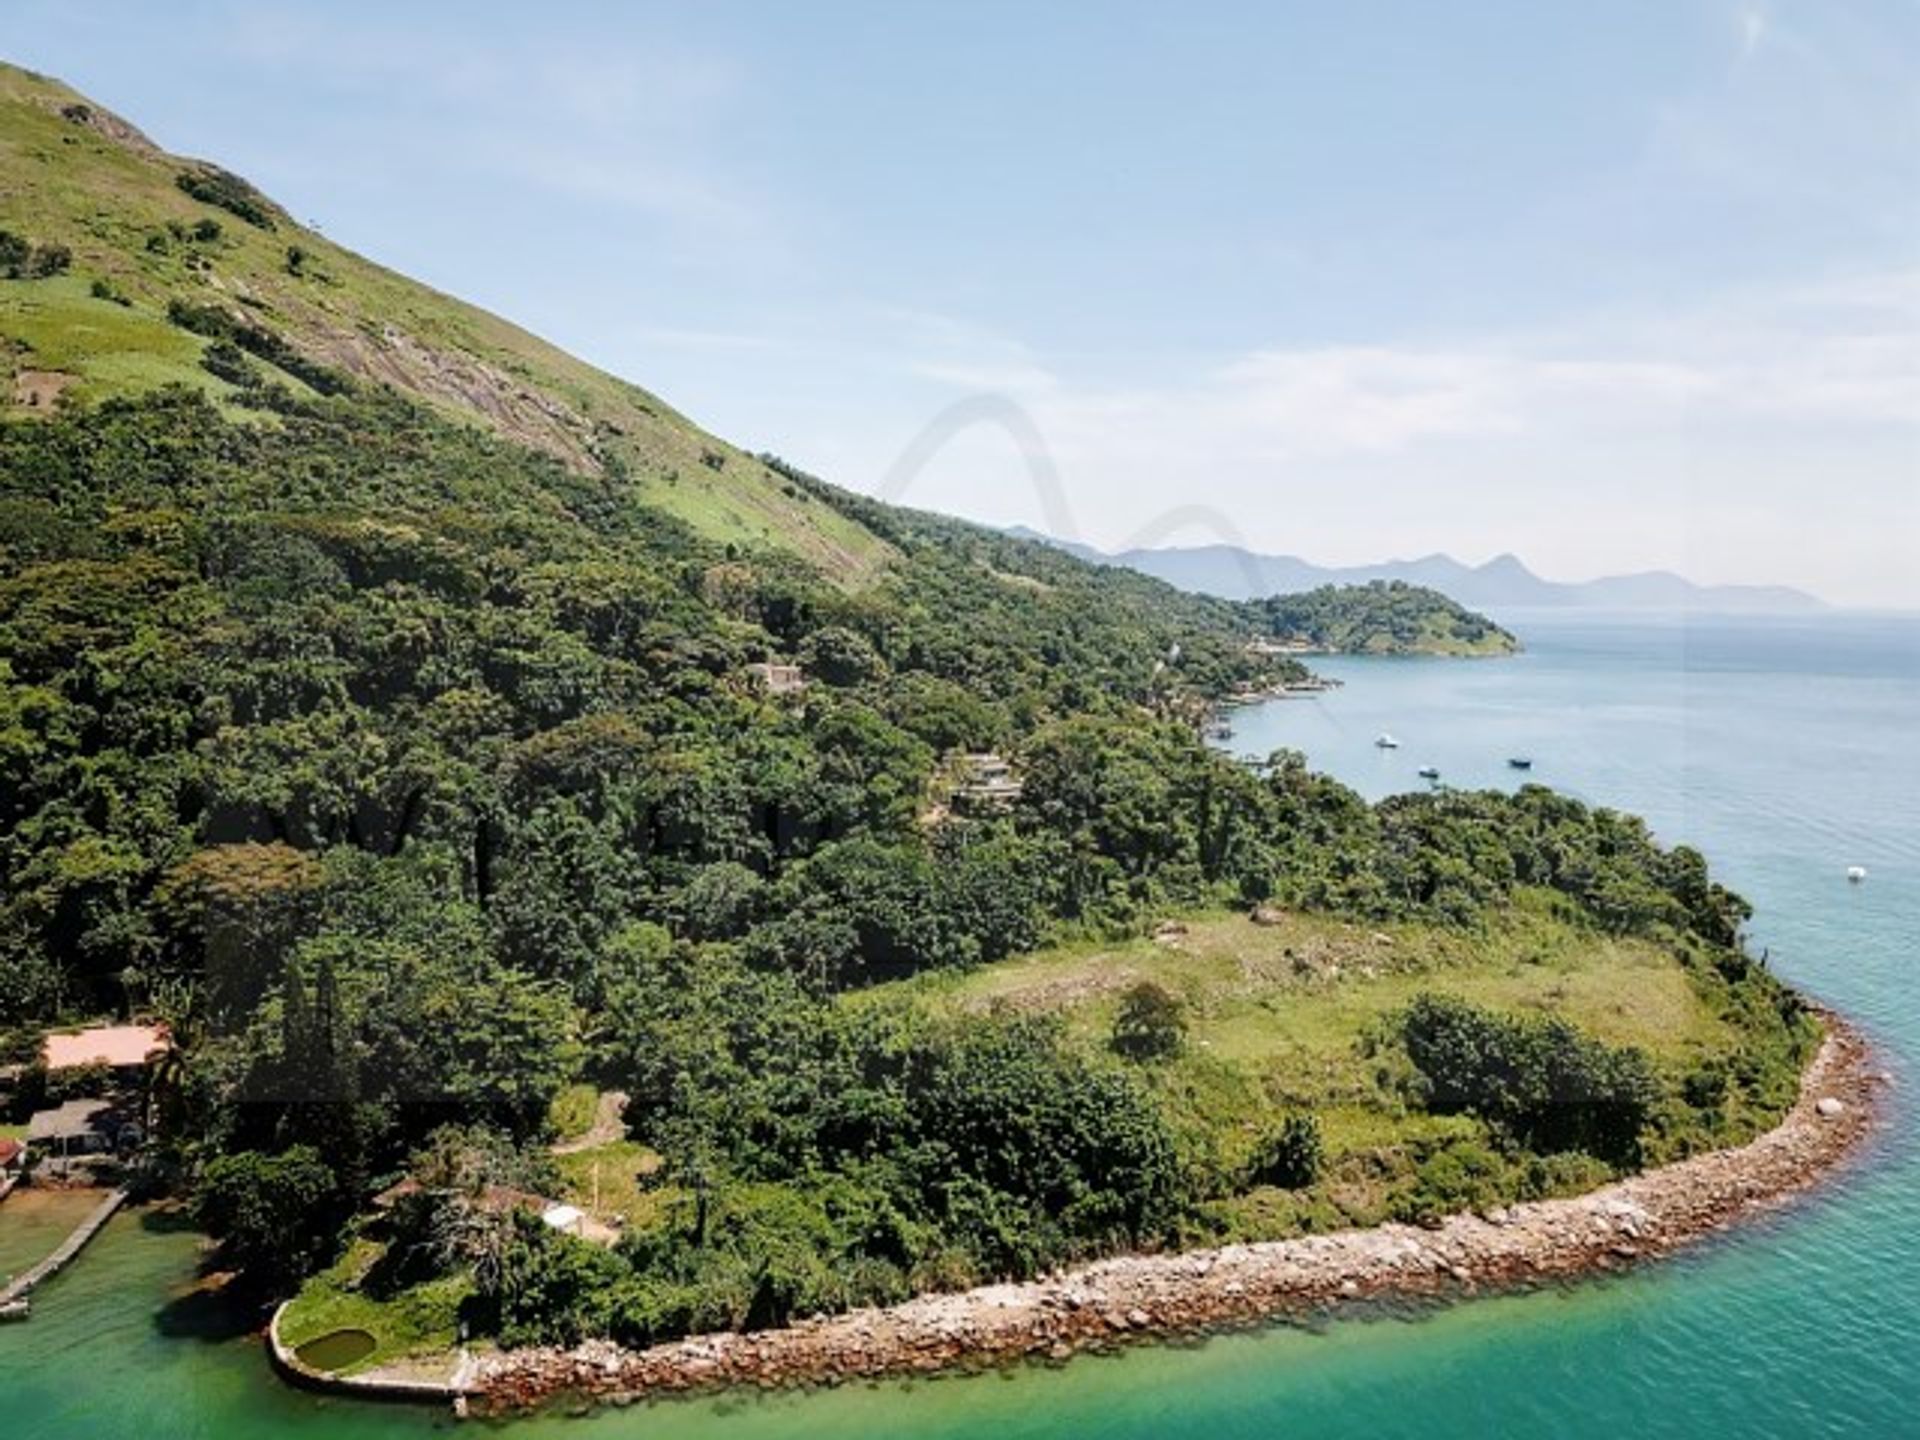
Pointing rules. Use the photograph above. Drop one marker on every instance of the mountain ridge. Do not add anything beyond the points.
(1505, 581)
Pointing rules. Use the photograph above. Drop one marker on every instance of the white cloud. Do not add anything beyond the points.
(1623, 442)
(1846, 352)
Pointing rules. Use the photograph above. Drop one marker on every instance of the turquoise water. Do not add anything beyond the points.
(1784, 750)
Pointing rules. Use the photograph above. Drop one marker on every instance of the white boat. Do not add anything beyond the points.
(1856, 873)
(1387, 742)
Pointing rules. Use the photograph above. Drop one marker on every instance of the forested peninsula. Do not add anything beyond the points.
(597, 882)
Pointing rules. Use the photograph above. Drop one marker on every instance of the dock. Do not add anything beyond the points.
(13, 1299)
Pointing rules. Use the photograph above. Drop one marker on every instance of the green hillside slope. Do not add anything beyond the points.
(75, 176)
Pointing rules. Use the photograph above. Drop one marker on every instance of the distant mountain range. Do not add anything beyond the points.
(1502, 583)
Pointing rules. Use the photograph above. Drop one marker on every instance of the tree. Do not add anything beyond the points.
(241, 907)
(1290, 1155)
(276, 1217)
(1152, 1023)
(836, 655)
(721, 901)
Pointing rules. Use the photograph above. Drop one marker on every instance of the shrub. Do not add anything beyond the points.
(1460, 1175)
(213, 186)
(1151, 1025)
(22, 260)
(226, 361)
(217, 324)
(1543, 1081)
(1289, 1156)
(48, 261)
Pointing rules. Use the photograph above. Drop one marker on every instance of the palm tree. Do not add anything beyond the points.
(177, 1005)
(167, 1087)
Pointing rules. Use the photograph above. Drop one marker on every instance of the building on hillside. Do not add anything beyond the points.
(126, 1050)
(13, 1165)
(988, 783)
(1281, 646)
(82, 1129)
(567, 1219)
(779, 679)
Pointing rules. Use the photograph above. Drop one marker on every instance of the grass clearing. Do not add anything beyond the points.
(421, 1320)
(1283, 1018)
(614, 1182)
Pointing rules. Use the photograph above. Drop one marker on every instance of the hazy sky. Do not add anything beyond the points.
(1613, 286)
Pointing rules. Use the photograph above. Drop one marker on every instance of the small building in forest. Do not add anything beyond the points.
(81, 1128)
(988, 783)
(778, 679)
(126, 1050)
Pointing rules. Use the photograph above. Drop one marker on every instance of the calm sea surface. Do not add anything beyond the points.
(1787, 750)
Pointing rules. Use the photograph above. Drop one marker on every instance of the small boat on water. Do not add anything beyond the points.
(1429, 772)
(1856, 873)
(1520, 762)
(1387, 742)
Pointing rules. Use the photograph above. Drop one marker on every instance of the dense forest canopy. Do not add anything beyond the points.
(410, 776)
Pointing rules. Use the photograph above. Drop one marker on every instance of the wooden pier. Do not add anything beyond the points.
(13, 1299)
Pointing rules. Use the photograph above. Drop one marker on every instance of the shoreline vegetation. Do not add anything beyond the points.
(1307, 1080)
(1135, 1298)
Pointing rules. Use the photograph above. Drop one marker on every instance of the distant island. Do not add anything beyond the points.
(1503, 582)
(1384, 617)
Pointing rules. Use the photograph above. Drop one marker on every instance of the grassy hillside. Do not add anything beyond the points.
(1297, 1015)
(74, 175)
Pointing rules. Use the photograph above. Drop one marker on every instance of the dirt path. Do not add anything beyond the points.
(609, 1125)
(1144, 1297)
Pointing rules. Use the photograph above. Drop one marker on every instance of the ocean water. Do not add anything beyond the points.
(1784, 749)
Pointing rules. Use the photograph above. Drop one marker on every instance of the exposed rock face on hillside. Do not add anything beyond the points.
(517, 410)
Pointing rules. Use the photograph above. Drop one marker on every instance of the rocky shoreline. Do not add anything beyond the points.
(1156, 1296)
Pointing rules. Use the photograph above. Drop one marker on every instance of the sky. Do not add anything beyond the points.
(1613, 286)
